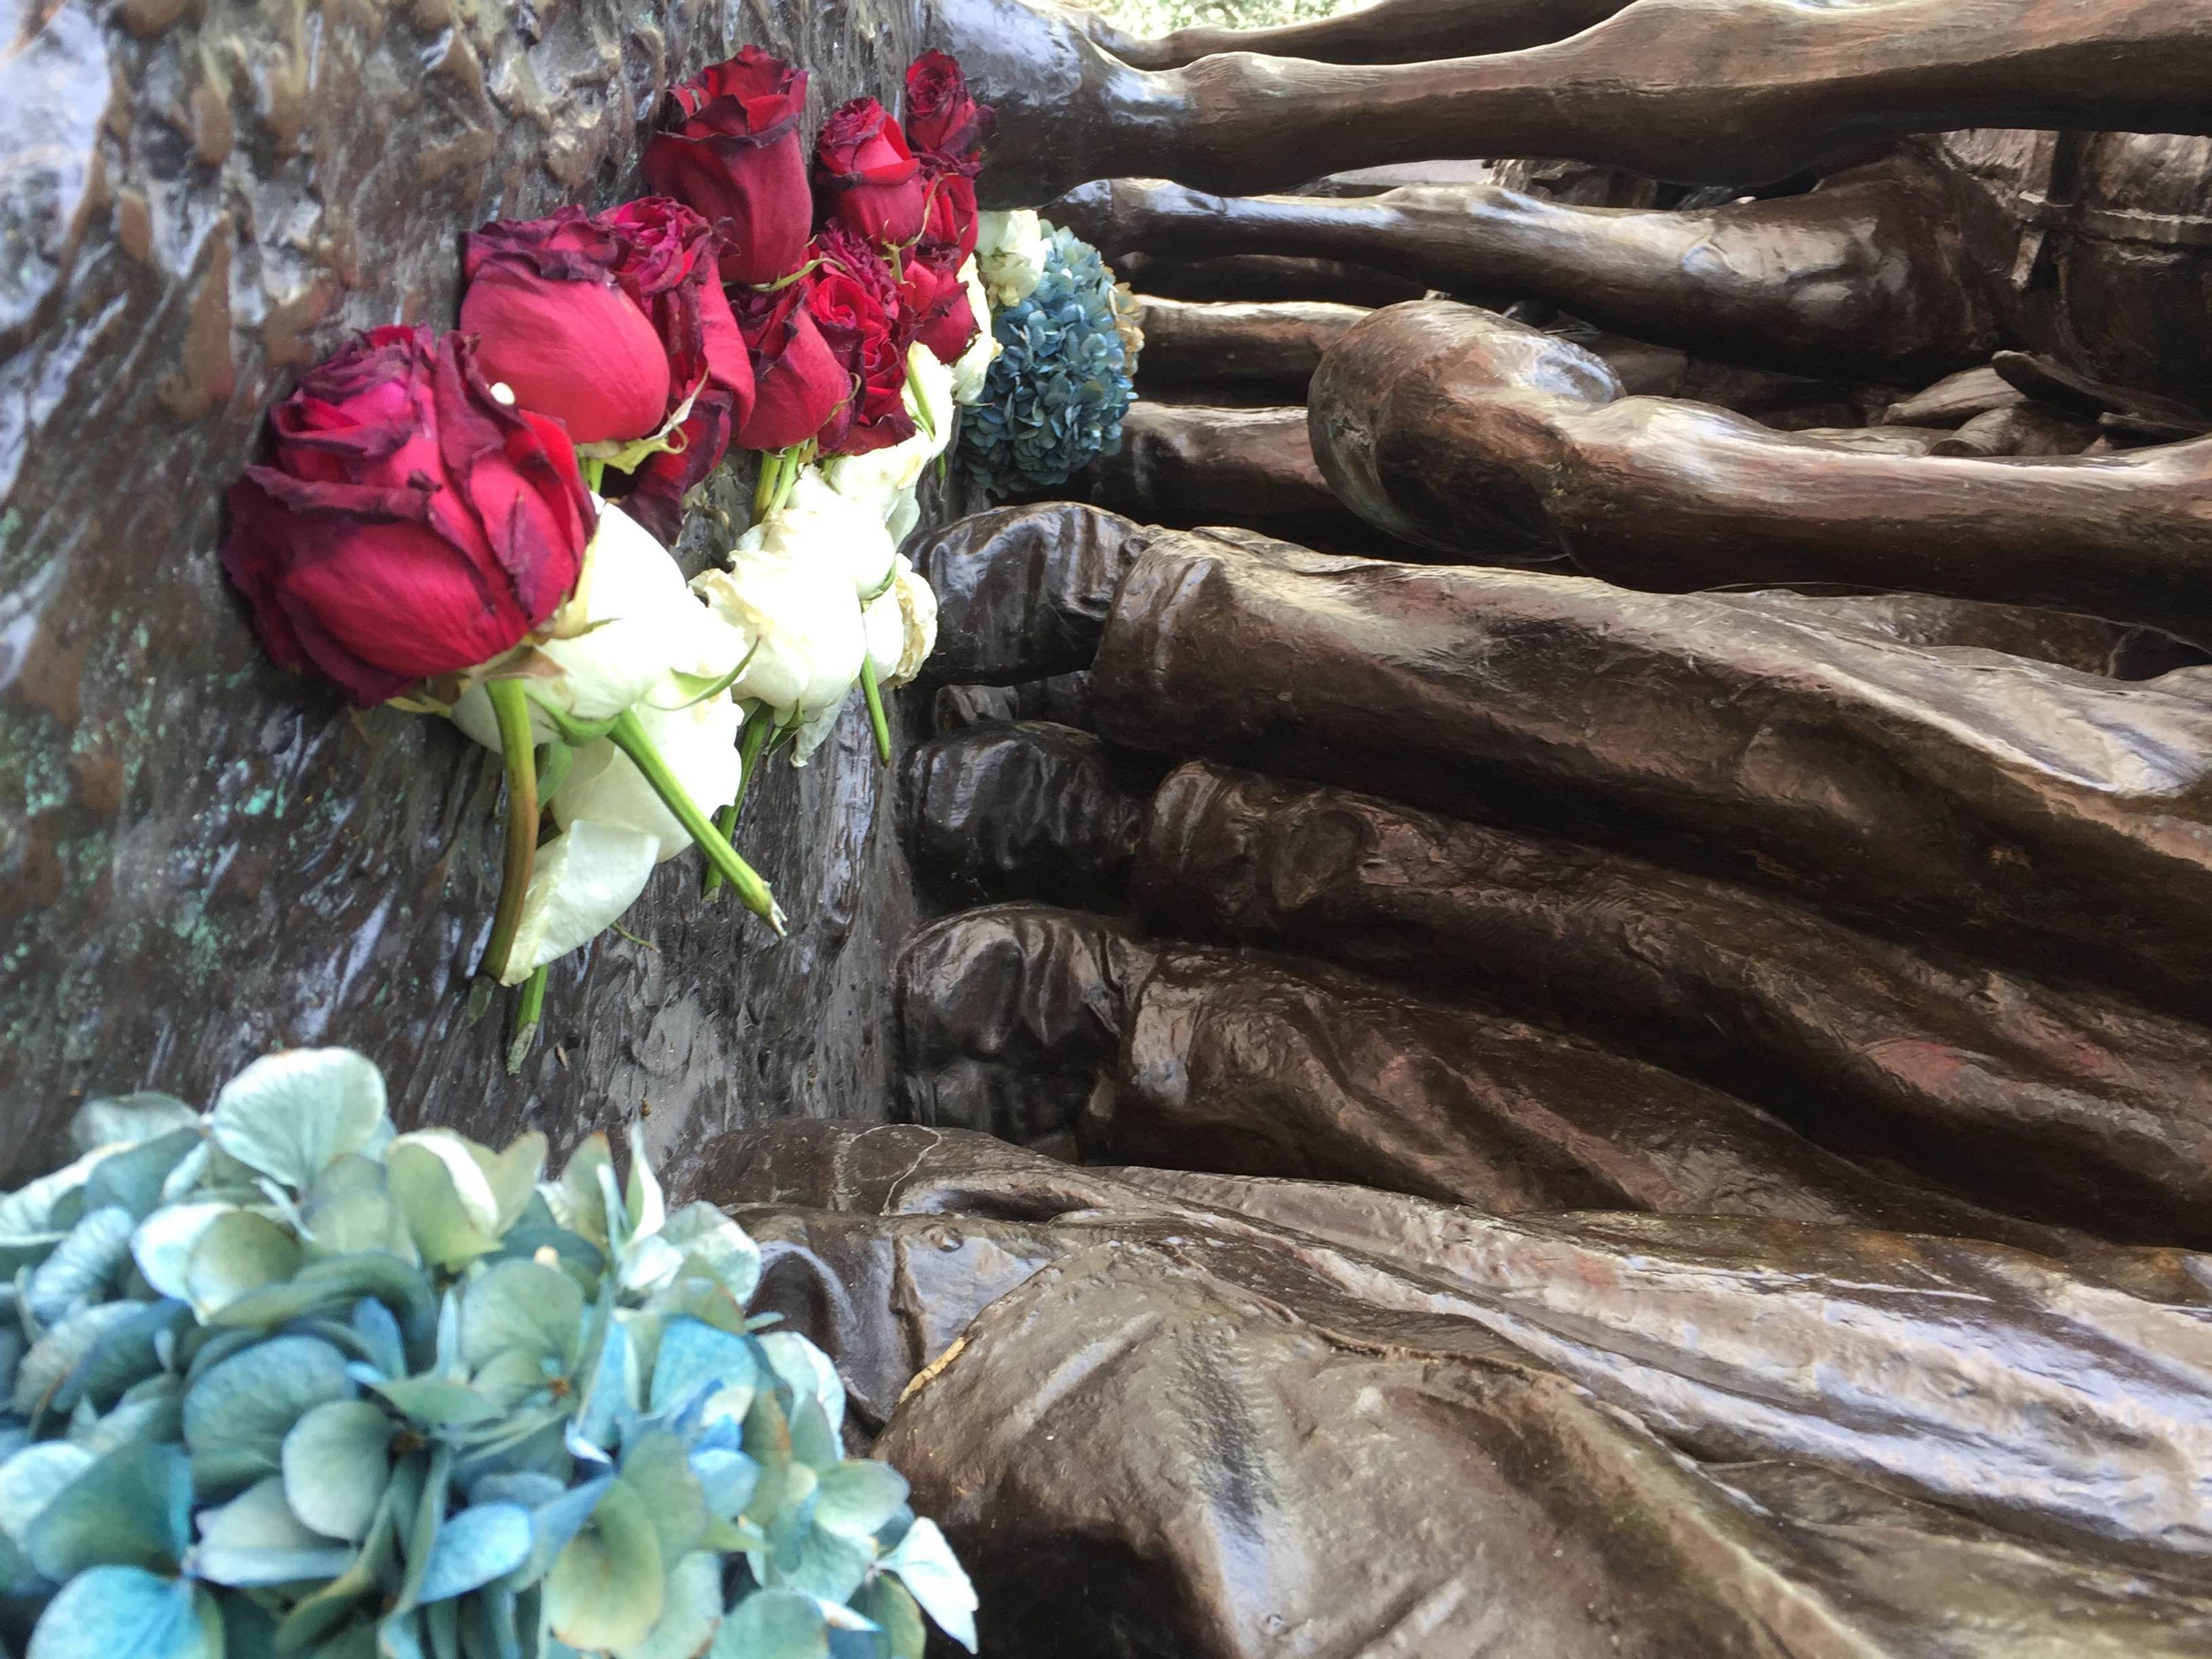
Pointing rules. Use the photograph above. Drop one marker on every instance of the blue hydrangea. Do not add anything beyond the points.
(1056, 395)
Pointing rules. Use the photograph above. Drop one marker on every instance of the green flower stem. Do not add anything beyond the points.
(758, 723)
(529, 1013)
(877, 718)
(629, 736)
(921, 415)
(770, 485)
(510, 704)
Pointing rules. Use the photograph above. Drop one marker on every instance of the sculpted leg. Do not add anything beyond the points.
(1708, 91)
(1866, 275)
(1388, 32)
(1449, 425)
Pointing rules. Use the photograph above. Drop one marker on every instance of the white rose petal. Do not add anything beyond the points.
(802, 607)
(585, 878)
(902, 628)
(698, 742)
(631, 620)
(1010, 252)
(975, 363)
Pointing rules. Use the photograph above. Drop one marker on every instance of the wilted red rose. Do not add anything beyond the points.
(936, 302)
(665, 261)
(951, 216)
(839, 248)
(799, 384)
(860, 321)
(941, 118)
(409, 524)
(553, 324)
(734, 155)
(869, 180)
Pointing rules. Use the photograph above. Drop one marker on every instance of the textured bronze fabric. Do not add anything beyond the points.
(1165, 1413)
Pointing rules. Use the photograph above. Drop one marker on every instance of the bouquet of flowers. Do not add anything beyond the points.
(476, 525)
(278, 1380)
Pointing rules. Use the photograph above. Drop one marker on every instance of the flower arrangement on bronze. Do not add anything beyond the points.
(476, 525)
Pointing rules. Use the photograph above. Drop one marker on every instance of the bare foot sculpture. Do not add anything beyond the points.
(1715, 91)
(1449, 426)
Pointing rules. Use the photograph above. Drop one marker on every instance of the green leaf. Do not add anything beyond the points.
(256, 1539)
(81, 1266)
(130, 1509)
(773, 1624)
(480, 1543)
(925, 1564)
(237, 1253)
(237, 1414)
(125, 1613)
(856, 1498)
(605, 1588)
(691, 1610)
(128, 1120)
(288, 1115)
(337, 1462)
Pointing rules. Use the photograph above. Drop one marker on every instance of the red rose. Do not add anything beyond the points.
(410, 525)
(941, 118)
(554, 325)
(951, 218)
(734, 155)
(657, 488)
(860, 322)
(935, 300)
(842, 249)
(799, 386)
(871, 181)
(664, 262)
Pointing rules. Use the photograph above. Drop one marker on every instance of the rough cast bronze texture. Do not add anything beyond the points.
(202, 858)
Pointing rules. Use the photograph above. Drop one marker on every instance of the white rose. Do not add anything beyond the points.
(902, 628)
(585, 878)
(975, 363)
(884, 481)
(1010, 252)
(817, 523)
(800, 607)
(630, 621)
(698, 742)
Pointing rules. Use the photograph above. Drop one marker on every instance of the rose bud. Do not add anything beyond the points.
(409, 524)
(734, 155)
(555, 326)
(869, 180)
(879, 417)
(941, 118)
(799, 384)
(935, 296)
